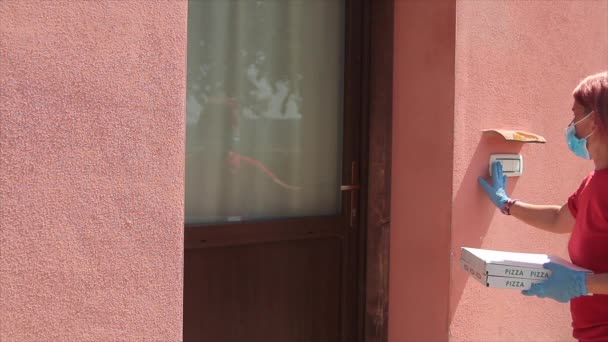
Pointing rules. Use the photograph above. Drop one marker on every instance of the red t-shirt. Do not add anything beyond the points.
(588, 248)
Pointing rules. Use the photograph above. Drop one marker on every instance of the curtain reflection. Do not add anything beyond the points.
(264, 99)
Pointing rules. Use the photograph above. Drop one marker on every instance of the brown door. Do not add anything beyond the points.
(272, 234)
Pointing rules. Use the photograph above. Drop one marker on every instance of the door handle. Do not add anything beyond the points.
(353, 188)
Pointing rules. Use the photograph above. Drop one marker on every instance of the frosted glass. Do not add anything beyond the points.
(264, 109)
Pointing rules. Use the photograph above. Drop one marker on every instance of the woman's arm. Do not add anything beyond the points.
(597, 283)
(551, 218)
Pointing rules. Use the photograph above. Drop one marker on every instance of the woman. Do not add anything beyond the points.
(584, 216)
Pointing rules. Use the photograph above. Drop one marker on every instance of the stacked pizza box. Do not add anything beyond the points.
(508, 269)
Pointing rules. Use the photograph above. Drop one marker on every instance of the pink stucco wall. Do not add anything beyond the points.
(461, 66)
(517, 63)
(91, 157)
(421, 185)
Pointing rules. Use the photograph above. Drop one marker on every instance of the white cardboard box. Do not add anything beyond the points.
(508, 269)
(497, 281)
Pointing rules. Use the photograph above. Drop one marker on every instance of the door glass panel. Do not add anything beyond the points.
(264, 109)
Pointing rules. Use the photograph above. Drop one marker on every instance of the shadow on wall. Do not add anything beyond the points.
(472, 210)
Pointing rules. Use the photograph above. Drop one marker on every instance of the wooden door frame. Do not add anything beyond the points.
(376, 168)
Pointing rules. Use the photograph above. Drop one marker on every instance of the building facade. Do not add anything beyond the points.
(99, 115)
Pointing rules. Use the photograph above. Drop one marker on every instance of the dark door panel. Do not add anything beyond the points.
(282, 291)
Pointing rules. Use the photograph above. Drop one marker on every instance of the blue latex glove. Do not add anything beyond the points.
(496, 191)
(563, 284)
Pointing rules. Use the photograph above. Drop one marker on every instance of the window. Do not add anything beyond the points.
(264, 109)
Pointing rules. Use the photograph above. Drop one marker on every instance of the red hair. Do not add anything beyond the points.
(592, 93)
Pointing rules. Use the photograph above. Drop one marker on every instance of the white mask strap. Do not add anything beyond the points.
(585, 118)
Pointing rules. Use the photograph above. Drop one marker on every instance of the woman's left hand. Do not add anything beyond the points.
(563, 284)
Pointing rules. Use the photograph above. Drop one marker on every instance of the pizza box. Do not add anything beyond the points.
(503, 269)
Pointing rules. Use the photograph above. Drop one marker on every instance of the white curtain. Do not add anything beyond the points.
(264, 109)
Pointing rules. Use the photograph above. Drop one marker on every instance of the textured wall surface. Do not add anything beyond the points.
(423, 117)
(517, 63)
(91, 157)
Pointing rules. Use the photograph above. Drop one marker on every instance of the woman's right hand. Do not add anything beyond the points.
(497, 190)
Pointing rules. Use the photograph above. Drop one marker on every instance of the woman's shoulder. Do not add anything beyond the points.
(598, 176)
(597, 183)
